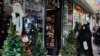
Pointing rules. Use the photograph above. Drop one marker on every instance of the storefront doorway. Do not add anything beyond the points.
(53, 27)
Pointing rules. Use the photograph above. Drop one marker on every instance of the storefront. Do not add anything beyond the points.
(75, 11)
(27, 17)
(53, 27)
(80, 15)
(67, 19)
(52, 19)
(85, 11)
(33, 17)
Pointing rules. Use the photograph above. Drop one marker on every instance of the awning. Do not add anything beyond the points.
(85, 5)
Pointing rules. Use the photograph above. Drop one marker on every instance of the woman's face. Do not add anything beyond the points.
(96, 25)
(83, 28)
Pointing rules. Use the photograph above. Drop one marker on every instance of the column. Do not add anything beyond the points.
(73, 15)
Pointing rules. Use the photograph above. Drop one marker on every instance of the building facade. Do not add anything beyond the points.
(53, 19)
(73, 11)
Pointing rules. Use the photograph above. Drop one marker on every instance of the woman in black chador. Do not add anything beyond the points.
(97, 39)
(85, 35)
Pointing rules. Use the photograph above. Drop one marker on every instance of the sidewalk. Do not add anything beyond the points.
(94, 49)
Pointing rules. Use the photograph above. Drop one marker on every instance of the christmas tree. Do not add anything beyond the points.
(70, 46)
(13, 43)
(36, 43)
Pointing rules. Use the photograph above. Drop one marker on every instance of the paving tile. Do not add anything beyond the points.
(94, 49)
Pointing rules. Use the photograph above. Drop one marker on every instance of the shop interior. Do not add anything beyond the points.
(53, 27)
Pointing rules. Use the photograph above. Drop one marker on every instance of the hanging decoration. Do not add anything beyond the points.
(25, 38)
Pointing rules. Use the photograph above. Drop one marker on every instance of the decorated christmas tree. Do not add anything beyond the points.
(13, 43)
(36, 43)
(37, 50)
(70, 47)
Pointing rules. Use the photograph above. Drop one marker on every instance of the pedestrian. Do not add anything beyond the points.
(97, 40)
(76, 27)
(79, 41)
(95, 28)
(85, 36)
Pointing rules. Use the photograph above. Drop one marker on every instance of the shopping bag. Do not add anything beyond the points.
(85, 45)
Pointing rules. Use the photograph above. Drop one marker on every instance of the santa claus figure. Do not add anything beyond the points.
(17, 16)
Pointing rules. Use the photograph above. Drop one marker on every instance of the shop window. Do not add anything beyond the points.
(33, 16)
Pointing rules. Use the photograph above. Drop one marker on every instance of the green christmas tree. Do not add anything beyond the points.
(13, 43)
(36, 44)
(70, 47)
(37, 49)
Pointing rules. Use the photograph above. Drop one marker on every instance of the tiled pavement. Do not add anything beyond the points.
(94, 49)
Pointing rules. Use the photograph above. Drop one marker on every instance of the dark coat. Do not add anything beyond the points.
(84, 35)
(97, 37)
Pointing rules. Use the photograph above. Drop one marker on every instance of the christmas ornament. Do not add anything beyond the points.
(25, 38)
(27, 24)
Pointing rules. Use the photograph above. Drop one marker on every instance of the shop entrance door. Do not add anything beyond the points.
(53, 30)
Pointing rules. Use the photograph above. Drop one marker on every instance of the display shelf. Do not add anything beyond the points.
(50, 23)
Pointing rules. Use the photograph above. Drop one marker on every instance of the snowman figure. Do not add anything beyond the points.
(17, 16)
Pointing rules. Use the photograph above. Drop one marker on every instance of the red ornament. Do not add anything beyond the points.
(25, 38)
